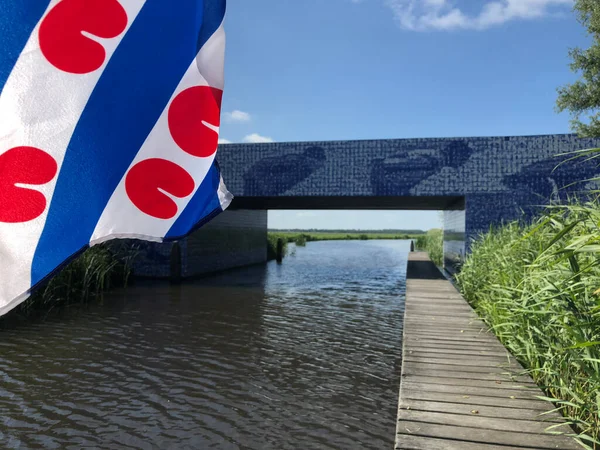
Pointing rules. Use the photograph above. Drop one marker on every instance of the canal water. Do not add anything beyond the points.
(305, 354)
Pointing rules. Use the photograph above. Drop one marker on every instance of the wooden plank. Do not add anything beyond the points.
(443, 368)
(428, 309)
(427, 372)
(418, 293)
(416, 342)
(464, 330)
(455, 351)
(442, 345)
(458, 304)
(475, 420)
(421, 307)
(528, 394)
(426, 327)
(429, 337)
(460, 388)
(423, 292)
(496, 383)
(499, 362)
(458, 357)
(450, 335)
(450, 297)
(408, 442)
(430, 286)
(418, 321)
(448, 319)
(476, 399)
(419, 370)
(477, 435)
(447, 315)
(484, 411)
(462, 334)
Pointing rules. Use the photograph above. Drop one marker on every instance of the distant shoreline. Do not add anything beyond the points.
(301, 237)
(348, 231)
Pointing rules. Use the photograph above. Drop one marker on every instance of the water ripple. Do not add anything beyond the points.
(300, 355)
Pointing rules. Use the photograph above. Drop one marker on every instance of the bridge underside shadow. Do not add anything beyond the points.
(453, 208)
(237, 237)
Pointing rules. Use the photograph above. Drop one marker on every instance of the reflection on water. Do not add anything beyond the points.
(300, 355)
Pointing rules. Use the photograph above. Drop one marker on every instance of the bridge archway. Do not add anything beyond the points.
(477, 182)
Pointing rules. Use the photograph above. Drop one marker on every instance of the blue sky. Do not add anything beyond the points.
(300, 70)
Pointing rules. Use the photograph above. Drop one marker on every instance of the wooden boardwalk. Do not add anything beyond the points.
(460, 388)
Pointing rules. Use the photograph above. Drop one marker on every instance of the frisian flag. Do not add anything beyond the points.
(109, 121)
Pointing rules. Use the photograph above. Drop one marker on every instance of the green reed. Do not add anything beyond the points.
(272, 245)
(433, 243)
(95, 271)
(538, 287)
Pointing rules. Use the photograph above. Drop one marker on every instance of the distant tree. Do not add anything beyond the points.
(582, 98)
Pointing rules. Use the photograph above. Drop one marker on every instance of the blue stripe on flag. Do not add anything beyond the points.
(124, 107)
(18, 18)
(214, 12)
(203, 205)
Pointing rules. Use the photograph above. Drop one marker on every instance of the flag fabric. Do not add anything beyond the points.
(109, 122)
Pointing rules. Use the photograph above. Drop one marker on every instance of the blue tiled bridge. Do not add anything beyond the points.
(477, 182)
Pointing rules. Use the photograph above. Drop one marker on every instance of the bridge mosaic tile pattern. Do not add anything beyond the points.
(500, 178)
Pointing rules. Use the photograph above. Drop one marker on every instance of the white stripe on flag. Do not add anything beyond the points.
(225, 197)
(40, 106)
(121, 218)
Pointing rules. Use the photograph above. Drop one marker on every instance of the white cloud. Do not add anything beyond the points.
(224, 141)
(423, 15)
(256, 138)
(237, 116)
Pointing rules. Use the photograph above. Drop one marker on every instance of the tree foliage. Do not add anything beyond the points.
(582, 98)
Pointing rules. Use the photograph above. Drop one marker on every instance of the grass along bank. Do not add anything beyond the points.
(433, 243)
(272, 239)
(94, 272)
(303, 237)
(538, 287)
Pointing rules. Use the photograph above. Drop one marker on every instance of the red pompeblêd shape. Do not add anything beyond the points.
(144, 180)
(24, 165)
(61, 38)
(186, 114)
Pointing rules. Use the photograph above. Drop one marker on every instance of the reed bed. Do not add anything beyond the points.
(433, 243)
(537, 286)
(88, 276)
(272, 245)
